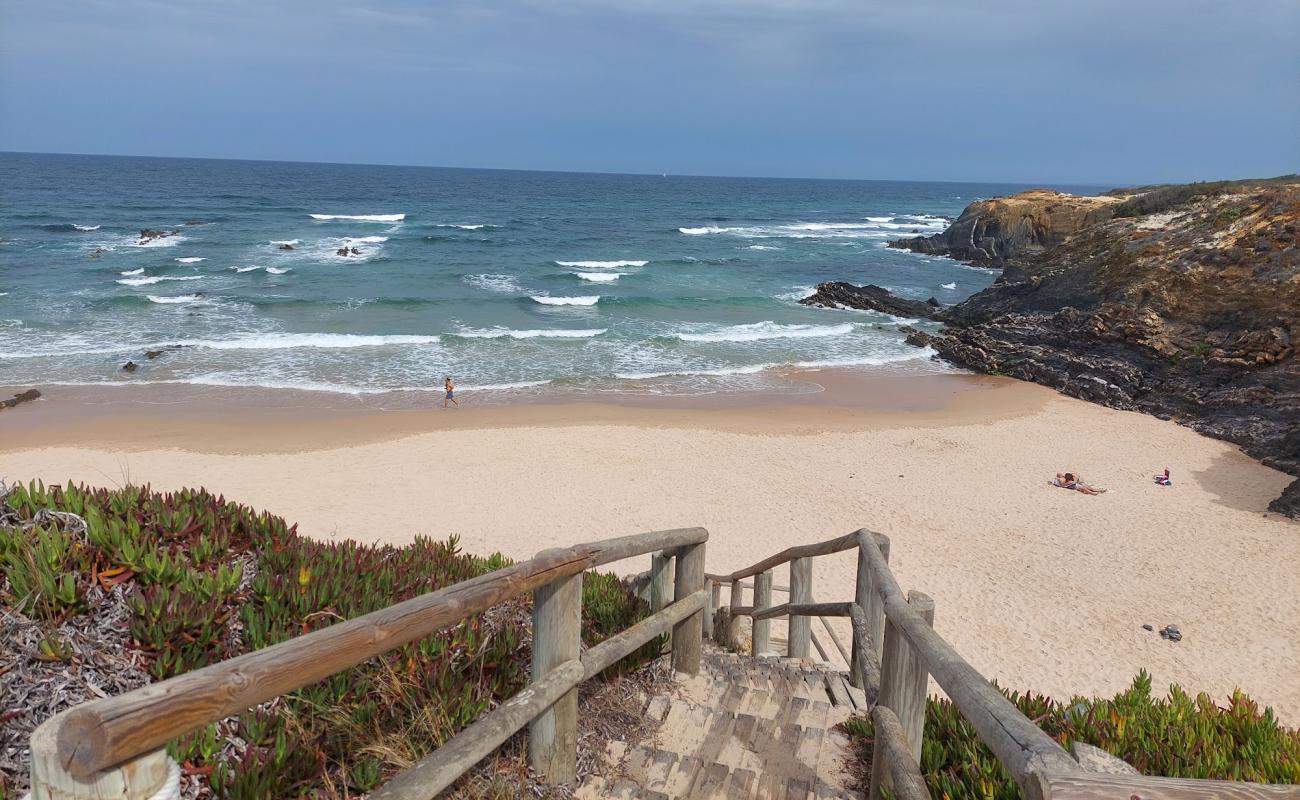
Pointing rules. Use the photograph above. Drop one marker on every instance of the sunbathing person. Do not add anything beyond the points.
(1068, 480)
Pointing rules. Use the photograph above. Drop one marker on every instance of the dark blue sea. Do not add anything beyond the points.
(371, 279)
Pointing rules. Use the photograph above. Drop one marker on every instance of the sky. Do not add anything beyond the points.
(1105, 92)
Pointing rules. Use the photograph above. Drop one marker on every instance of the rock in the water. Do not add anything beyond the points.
(130, 366)
(21, 397)
(193, 222)
(990, 231)
(839, 294)
(286, 247)
(149, 234)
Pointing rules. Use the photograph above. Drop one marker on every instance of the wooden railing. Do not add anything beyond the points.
(114, 747)
(896, 650)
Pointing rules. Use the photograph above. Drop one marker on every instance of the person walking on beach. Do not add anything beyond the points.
(451, 393)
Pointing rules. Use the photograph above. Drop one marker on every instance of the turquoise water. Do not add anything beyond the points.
(504, 280)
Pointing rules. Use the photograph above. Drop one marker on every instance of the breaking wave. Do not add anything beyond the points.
(360, 217)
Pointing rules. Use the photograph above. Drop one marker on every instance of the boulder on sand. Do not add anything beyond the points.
(21, 397)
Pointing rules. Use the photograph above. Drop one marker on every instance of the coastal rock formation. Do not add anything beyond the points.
(839, 294)
(1190, 313)
(21, 397)
(149, 234)
(990, 231)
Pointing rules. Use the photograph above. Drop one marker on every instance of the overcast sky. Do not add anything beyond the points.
(1089, 91)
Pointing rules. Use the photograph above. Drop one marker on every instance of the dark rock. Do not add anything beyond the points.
(838, 294)
(97, 252)
(152, 354)
(1147, 628)
(356, 251)
(130, 366)
(21, 397)
(193, 222)
(1289, 503)
(1171, 633)
(286, 247)
(342, 251)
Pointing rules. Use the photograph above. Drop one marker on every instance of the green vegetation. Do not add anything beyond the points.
(1177, 736)
(205, 579)
(1157, 199)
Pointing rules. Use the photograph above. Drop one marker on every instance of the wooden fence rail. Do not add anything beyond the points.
(113, 747)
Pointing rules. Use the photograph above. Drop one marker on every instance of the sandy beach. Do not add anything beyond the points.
(1040, 588)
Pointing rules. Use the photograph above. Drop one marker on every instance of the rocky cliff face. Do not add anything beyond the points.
(1191, 314)
(989, 232)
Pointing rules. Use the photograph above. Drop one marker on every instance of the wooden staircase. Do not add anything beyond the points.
(742, 728)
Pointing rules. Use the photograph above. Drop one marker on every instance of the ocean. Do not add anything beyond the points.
(507, 281)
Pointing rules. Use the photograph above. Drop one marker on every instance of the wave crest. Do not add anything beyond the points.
(360, 217)
(586, 300)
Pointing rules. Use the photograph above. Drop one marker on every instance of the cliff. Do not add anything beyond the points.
(989, 232)
(1189, 313)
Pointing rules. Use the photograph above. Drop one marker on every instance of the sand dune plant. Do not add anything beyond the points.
(1173, 736)
(205, 579)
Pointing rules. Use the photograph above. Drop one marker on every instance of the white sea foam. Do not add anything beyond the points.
(360, 217)
(189, 260)
(763, 247)
(600, 277)
(797, 293)
(500, 333)
(227, 380)
(85, 227)
(748, 369)
(139, 271)
(495, 283)
(245, 269)
(159, 241)
(586, 300)
(759, 331)
(149, 281)
(290, 242)
(601, 264)
(948, 285)
(175, 299)
(284, 341)
(874, 228)
(277, 270)
(867, 361)
(473, 227)
(351, 240)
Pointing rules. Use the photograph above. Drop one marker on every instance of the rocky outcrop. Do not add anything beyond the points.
(1289, 502)
(1192, 314)
(839, 294)
(148, 235)
(21, 397)
(989, 232)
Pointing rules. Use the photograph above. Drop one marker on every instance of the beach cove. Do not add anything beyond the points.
(1040, 588)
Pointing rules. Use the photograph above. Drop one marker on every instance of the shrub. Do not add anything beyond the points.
(1177, 736)
(208, 579)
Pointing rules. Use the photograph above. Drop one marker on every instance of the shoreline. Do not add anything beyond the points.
(260, 420)
(1039, 588)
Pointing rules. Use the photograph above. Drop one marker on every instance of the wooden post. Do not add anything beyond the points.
(800, 633)
(711, 607)
(153, 774)
(689, 633)
(868, 597)
(762, 627)
(661, 581)
(557, 627)
(903, 683)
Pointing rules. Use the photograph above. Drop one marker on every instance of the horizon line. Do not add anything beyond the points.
(575, 171)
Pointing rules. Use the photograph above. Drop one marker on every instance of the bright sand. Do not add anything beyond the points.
(1038, 587)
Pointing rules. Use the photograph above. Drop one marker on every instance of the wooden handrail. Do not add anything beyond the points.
(448, 763)
(1021, 746)
(891, 756)
(98, 735)
(1099, 786)
(827, 547)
